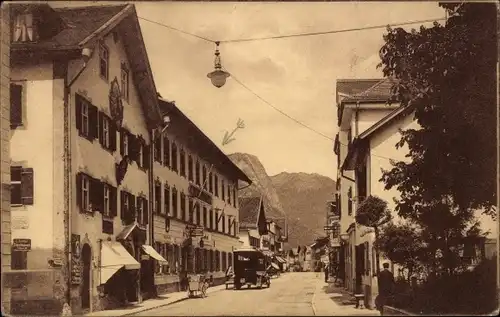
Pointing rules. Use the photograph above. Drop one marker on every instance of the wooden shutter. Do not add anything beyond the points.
(16, 105)
(133, 147)
(112, 135)
(145, 211)
(79, 189)
(123, 133)
(123, 198)
(78, 112)
(96, 194)
(112, 201)
(100, 127)
(27, 186)
(166, 151)
(132, 211)
(146, 155)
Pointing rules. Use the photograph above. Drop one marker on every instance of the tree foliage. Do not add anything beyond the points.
(373, 212)
(403, 245)
(447, 75)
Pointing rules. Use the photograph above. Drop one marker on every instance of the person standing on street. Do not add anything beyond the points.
(385, 287)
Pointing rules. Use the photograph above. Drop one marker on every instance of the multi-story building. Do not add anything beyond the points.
(4, 154)
(83, 108)
(196, 217)
(253, 223)
(360, 105)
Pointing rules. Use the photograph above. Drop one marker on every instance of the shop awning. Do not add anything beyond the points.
(114, 257)
(155, 255)
(275, 266)
(280, 259)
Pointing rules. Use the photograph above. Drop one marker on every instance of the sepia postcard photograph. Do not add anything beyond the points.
(249, 158)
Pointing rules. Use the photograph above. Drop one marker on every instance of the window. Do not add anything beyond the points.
(85, 203)
(210, 182)
(182, 159)
(223, 189)
(216, 221)
(159, 248)
(361, 181)
(197, 173)
(106, 210)
(236, 228)
(204, 179)
(124, 148)
(140, 158)
(216, 185)
(166, 192)
(349, 201)
(128, 209)
(190, 168)
(103, 61)
(217, 260)
(198, 214)
(107, 132)
(235, 196)
(183, 206)
(142, 211)
(175, 205)
(23, 28)
(125, 82)
(21, 180)
(87, 118)
(223, 224)
(205, 224)
(166, 151)
(16, 105)
(228, 225)
(19, 260)
(190, 210)
(157, 198)
(230, 259)
(229, 194)
(157, 150)
(224, 261)
(175, 168)
(211, 224)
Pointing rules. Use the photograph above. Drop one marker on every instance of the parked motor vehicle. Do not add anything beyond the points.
(250, 268)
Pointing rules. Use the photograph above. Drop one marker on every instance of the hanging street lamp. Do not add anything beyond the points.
(218, 76)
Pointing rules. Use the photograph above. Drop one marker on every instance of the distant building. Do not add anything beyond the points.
(253, 225)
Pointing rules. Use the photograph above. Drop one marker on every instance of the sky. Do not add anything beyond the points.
(296, 75)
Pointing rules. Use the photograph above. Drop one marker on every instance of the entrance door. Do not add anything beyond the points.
(360, 256)
(85, 289)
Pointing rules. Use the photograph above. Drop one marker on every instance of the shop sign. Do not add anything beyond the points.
(21, 244)
(76, 268)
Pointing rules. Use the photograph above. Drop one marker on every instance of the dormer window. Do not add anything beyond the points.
(23, 28)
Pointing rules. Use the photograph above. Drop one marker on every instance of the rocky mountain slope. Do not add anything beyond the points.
(304, 198)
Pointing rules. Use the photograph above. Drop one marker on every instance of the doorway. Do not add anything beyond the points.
(85, 289)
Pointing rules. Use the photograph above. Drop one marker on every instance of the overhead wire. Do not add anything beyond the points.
(380, 26)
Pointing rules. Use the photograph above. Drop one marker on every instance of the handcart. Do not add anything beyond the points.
(198, 285)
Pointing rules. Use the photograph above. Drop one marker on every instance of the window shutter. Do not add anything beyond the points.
(132, 211)
(145, 213)
(100, 127)
(123, 198)
(27, 186)
(133, 147)
(93, 122)
(95, 186)
(16, 105)
(112, 135)
(146, 156)
(79, 189)
(112, 201)
(122, 144)
(78, 112)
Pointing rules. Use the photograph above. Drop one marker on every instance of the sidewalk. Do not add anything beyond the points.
(163, 300)
(329, 300)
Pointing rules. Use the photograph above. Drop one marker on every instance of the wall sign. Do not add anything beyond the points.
(76, 266)
(21, 245)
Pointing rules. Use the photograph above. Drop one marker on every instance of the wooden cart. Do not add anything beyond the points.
(198, 285)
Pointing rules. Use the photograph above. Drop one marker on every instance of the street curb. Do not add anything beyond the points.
(167, 304)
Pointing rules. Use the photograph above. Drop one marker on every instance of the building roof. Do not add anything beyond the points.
(74, 28)
(199, 142)
(364, 90)
(249, 211)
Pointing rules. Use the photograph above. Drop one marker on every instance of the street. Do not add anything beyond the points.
(289, 295)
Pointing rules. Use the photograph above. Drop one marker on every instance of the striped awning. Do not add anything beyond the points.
(280, 259)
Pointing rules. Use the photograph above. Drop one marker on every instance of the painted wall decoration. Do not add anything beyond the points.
(76, 266)
(115, 103)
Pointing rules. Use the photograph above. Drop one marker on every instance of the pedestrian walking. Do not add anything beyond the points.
(326, 272)
(386, 286)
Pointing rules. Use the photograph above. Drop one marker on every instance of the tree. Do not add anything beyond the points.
(373, 213)
(403, 245)
(446, 74)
